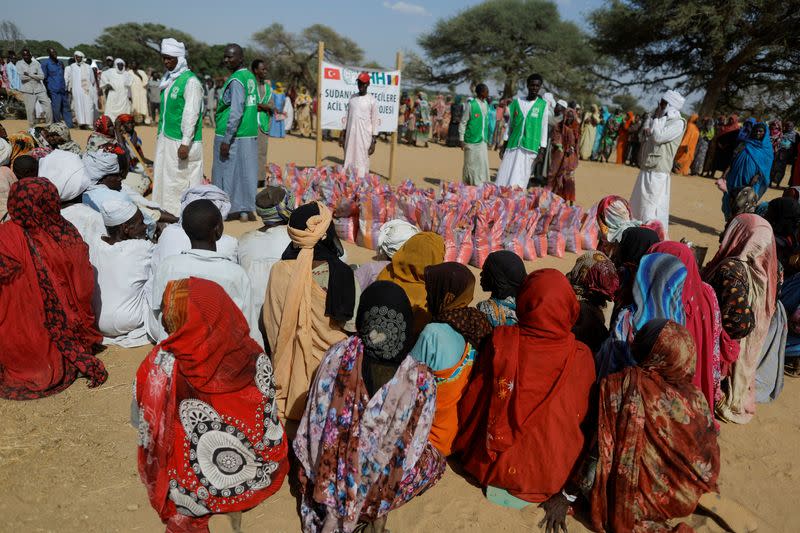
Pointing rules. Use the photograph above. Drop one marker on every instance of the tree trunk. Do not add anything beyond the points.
(510, 86)
(714, 90)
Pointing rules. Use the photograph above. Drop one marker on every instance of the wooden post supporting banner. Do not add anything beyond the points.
(320, 56)
(393, 149)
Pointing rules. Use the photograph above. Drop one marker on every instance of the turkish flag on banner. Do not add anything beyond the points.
(332, 74)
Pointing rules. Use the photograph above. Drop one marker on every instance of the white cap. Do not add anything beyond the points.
(172, 47)
(116, 212)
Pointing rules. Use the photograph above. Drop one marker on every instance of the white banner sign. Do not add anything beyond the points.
(339, 84)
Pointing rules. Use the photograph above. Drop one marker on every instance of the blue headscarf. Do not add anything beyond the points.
(747, 127)
(756, 157)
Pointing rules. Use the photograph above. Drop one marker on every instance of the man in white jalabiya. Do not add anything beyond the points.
(139, 107)
(525, 137)
(650, 196)
(116, 85)
(203, 223)
(361, 129)
(121, 260)
(179, 147)
(82, 85)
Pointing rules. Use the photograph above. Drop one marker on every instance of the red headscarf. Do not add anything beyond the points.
(531, 392)
(702, 320)
(104, 126)
(657, 446)
(45, 270)
(208, 371)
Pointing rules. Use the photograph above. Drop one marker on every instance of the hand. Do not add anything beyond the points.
(167, 218)
(183, 152)
(555, 514)
(461, 144)
(224, 151)
(371, 148)
(541, 154)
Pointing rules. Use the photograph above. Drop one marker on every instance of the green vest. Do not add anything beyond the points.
(526, 131)
(248, 127)
(477, 126)
(171, 110)
(263, 116)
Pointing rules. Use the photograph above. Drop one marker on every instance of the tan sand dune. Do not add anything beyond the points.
(69, 462)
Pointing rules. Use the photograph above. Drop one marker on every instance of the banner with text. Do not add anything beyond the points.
(339, 84)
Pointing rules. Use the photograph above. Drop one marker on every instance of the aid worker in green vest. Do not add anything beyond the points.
(235, 168)
(265, 109)
(473, 135)
(526, 137)
(178, 163)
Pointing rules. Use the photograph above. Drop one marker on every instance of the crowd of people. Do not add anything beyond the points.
(601, 389)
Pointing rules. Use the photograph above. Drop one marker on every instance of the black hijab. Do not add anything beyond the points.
(634, 244)
(646, 338)
(503, 273)
(341, 293)
(384, 323)
(783, 214)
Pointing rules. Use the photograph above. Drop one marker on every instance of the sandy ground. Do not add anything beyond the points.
(69, 462)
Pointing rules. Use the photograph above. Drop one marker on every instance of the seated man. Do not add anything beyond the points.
(261, 248)
(25, 166)
(173, 240)
(202, 222)
(121, 261)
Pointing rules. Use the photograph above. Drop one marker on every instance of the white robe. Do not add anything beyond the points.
(208, 265)
(361, 125)
(118, 101)
(517, 164)
(258, 251)
(650, 196)
(120, 300)
(82, 85)
(173, 240)
(139, 94)
(173, 176)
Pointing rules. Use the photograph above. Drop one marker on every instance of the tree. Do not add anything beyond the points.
(627, 102)
(721, 47)
(506, 40)
(292, 57)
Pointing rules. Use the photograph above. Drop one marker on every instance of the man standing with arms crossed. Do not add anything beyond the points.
(179, 147)
(55, 81)
(473, 133)
(32, 88)
(236, 142)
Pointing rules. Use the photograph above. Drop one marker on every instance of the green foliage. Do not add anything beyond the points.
(506, 40)
(292, 57)
(722, 47)
(627, 102)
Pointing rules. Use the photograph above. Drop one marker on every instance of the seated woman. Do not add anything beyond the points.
(522, 412)
(362, 443)
(657, 446)
(704, 322)
(595, 282)
(657, 293)
(46, 286)
(311, 296)
(783, 214)
(407, 269)
(210, 441)
(744, 275)
(633, 246)
(613, 218)
(503, 273)
(751, 167)
(448, 345)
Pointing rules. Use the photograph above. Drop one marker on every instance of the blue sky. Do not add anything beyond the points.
(381, 27)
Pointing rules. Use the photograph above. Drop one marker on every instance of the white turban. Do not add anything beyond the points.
(116, 212)
(393, 235)
(79, 54)
(208, 192)
(5, 152)
(674, 99)
(563, 103)
(66, 171)
(118, 61)
(172, 47)
(99, 164)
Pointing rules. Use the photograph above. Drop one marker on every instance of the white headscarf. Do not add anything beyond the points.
(119, 60)
(66, 171)
(5, 152)
(674, 103)
(99, 164)
(171, 47)
(208, 192)
(116, 212)
(79, 54)
(393, 235)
